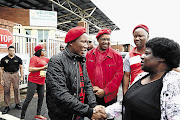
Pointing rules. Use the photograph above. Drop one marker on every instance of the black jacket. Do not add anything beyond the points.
(62, 90)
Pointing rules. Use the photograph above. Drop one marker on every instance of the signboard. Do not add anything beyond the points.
(6, 38)
(25, 59)
(43, 18)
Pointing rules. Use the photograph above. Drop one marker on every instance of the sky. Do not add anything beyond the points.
(161, 16)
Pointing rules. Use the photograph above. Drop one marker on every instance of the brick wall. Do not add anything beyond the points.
(20, 16)
(5, 24)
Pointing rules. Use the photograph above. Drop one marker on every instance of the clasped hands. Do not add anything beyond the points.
(99, 113)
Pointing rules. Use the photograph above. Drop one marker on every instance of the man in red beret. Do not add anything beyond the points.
(132, 61)
(105, 69)
(68, 83)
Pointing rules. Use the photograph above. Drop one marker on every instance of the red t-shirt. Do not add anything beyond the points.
(35, 76)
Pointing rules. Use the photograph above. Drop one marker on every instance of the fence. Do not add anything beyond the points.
(53, 46)
(24, 47)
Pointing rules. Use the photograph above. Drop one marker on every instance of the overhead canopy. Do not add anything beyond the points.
(69, 12)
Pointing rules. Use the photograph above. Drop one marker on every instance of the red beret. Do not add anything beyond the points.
(38, 47)
(74, 33)
(142, 26)
(103, 31)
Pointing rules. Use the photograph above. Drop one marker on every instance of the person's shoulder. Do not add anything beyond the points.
(139, 76)
(172, 76)
(18, 57)
(91, 51)
(173, 73)
(45, 58)
(4, 57)
(114, 52)
(34, 57)
(58, 56)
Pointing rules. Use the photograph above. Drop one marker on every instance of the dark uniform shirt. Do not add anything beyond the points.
(11, 65)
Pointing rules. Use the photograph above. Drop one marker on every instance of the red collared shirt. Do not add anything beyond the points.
(132, 64)
(105, 70)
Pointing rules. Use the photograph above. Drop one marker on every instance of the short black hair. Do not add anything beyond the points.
(38, 53)
(166, 49)
(10, 47)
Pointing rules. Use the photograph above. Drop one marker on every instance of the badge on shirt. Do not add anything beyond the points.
(6, 61)
(15, 60)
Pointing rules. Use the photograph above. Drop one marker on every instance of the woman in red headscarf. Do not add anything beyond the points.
(36, 80)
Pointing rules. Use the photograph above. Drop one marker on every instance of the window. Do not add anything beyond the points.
(28, 32)
(42, 35)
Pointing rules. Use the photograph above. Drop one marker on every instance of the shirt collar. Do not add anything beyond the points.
(107, 51)
(134, 51)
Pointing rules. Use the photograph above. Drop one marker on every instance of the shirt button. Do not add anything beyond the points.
(74, 77)
(74, 63)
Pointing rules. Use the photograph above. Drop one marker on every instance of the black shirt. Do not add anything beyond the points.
(11, 65)
(142, 102)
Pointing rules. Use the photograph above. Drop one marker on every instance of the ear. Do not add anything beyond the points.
(71, 43)
(161, 60)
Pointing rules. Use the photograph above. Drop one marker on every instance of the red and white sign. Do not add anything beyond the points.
(6, 38)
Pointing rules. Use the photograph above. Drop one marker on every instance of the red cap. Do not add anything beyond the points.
(103, 31)
(74, 33)
(143, 27)
(38, 47)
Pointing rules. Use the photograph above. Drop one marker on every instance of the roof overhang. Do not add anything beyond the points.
(69, 12)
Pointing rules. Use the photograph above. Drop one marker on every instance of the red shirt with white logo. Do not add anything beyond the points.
(35, 76)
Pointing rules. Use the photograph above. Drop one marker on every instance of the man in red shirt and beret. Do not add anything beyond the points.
(105, 69)
(68, 83)
(132, 61)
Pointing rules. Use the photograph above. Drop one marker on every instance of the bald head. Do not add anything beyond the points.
(62, 47)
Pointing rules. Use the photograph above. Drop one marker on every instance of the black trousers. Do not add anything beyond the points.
(32, 87)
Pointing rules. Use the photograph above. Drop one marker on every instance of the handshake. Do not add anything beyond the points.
(99, 113)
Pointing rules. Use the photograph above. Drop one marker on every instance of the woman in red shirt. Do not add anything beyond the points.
(36, 81)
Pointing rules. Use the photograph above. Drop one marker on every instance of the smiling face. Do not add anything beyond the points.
(80, 45)
(149, 62)
(140, 37)
(104, 42)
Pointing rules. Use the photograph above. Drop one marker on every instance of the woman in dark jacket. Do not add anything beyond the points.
(68, 83)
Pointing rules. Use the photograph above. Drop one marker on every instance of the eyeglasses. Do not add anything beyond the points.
(104, 39)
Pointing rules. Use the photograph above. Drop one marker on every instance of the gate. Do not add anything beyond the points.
(53, 46)
(24, 47)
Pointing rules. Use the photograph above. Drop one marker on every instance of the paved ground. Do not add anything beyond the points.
(14, 114)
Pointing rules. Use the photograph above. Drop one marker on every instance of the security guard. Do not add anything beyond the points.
(10, 65)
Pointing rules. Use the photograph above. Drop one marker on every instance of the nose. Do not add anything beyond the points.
(136, 38)
(142, 56)
(86, 45)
